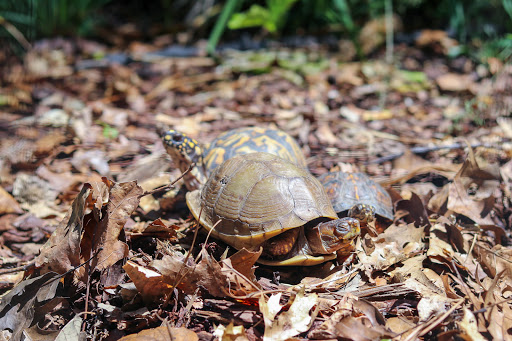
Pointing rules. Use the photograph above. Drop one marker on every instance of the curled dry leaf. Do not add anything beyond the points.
(288, 324)
(61, 252)
(123, 200)
(354, 319)
(395, 245)
(233, 276)
(78, 237)
(472, 191)
(414, 211)
(149, 283)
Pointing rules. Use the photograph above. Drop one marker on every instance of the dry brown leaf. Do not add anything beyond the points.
(8, 204)
(61, 182)
(373, 33)
(395, 245)
(61, 252)
(35, 195)
(469, 326)
(231, 333)
(123, 200)
(455, 82)
(157, 229)
(292, 322)
(438, 40)
(17, 307)
(414, 211)
(481, 183)
(164, 333)
(325, 135)
(233, 276)
(149, 283)
(353, 319)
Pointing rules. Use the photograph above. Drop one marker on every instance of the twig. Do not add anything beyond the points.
(75, 268)
(426, 149)
(18, 268)
(13, 31)
(429, 325)
(169, 186)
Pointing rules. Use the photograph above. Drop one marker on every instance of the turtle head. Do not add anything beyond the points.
(362, 212)
(186, 151)
(328, 237)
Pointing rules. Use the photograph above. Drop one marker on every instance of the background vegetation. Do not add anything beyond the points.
(480, 23)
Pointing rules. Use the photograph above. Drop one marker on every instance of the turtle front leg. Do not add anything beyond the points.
(282, 244)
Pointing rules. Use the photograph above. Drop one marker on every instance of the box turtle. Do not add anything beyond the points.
(358, 194)
(261, 200)
(185, 151)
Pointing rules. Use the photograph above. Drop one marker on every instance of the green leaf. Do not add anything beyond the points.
(255, 16)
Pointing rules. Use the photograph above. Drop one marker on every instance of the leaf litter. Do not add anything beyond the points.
(127, 262)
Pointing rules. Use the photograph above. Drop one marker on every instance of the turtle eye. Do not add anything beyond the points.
(177, 138)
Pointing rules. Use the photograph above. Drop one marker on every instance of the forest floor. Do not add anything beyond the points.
(90, 247)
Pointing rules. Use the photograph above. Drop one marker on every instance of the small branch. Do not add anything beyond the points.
(169, 186)
(18, 268)
(15, 33)
(426, 149)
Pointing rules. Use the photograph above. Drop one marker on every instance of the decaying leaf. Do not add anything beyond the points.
(18, 306)
(123, 200)
(354, 319)
(231, 333)
(469, 326)
(233, 276)
(72, 330)
(149, 283)
(61, 252)
(471, 193)
(296, 320)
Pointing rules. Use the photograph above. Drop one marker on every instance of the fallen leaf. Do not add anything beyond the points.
(150, 284)
(164, 333)
(292, 322)
(123, 200)
(72, 330)
(231, 333)
(233, 276)
(8, 204)
(481, 183)
(61, 252)
(455, 82)
(469, 326)
(438, 40)
(18, 305)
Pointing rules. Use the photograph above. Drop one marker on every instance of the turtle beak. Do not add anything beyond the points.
(328, 237)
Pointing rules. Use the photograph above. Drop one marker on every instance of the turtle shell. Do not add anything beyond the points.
(348, 189)
(254, 197)
(251, 140)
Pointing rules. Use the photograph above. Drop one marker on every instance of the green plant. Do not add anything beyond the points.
(230, 7)
(271, 18)
(42, 18)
